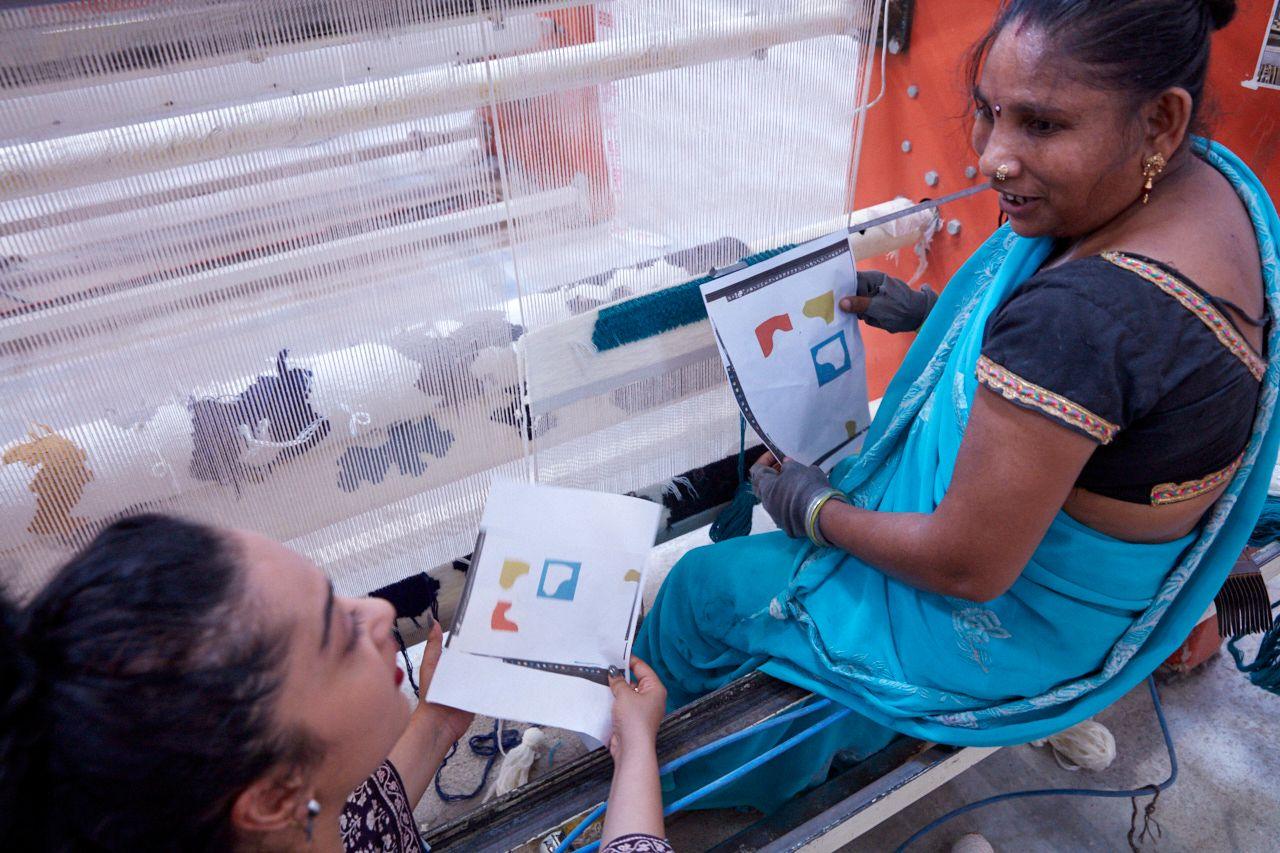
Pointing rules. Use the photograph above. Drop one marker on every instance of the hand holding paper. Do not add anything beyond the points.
(638, 708)
(452, 723)
(793, 495)
(551, 602)
(889, 303)
(796, 365)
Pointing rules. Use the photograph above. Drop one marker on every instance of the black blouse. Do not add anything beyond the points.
(1126, 351)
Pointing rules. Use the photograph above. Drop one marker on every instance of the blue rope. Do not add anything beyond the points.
(676, 764)
(1130, 794)
(582, 827)
(735, 775)
(485, 746)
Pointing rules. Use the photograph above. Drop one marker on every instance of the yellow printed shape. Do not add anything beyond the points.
(823, 306)
(60, 482)
(851, 427)
(632, 576)
(512, 570)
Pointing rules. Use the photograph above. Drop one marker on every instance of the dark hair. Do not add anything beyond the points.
(1142, 47)
(137, 690)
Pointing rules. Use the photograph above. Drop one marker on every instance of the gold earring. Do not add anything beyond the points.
(1002, 173)
(1151, 169)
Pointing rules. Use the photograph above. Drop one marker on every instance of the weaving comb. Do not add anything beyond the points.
(1244, 606)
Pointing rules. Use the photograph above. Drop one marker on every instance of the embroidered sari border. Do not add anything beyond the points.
(1172, 493)
(1196, 304)
(1013, 387)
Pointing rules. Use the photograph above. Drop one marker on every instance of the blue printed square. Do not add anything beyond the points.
(559, 580)
(831, 358)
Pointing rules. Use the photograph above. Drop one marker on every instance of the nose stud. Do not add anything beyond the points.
(1002, 173)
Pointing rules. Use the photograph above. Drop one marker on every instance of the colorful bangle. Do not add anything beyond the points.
(811, 526)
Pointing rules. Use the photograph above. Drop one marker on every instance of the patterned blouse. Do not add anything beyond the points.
(378, 817)
(637, 843)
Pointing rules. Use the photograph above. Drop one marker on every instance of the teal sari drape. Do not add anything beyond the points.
(1087, 620)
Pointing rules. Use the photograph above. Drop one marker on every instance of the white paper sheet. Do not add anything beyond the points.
(496, 689)
(551, 601)
(795, 361)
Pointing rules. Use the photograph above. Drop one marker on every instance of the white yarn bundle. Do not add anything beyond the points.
(972, 843)
(1088, 745)
(517, 763)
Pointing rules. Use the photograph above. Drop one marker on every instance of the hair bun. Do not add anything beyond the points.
(1220, 12)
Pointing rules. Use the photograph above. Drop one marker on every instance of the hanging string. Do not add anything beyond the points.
(735, 519)
(404, 653)
(884, 53)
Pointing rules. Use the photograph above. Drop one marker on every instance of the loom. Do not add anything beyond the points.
(325, 269)
(260, 252)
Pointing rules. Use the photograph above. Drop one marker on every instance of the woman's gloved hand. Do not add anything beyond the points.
(888, 303)
(793, 494)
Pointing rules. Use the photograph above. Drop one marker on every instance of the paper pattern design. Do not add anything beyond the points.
(795, 363)
(551, 602)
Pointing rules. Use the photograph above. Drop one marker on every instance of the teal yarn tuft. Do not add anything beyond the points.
(735, 519)
(649, 315)
(655, 313)
(1264, 672)
(1268, 527)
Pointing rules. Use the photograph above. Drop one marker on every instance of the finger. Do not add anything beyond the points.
(855, 304)
(643, 672)
(767, 459)
(762, 480)
(647, 681)
(435, 647)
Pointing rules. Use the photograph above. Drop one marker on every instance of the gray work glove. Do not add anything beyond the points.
(893, 305)
(794, 497)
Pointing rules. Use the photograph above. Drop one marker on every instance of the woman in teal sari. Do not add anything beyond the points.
(1074, 451)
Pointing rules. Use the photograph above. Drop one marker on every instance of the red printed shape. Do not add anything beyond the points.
(766, 330)
(499, 621)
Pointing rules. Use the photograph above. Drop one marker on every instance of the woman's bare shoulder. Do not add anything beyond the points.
(1202, 229)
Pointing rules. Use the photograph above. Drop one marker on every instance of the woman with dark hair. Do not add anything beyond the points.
(1076, 447)
(178, 687)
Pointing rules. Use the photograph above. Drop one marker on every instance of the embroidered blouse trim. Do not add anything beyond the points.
(1013, 387)
(1196, 304)
(1172, 493)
